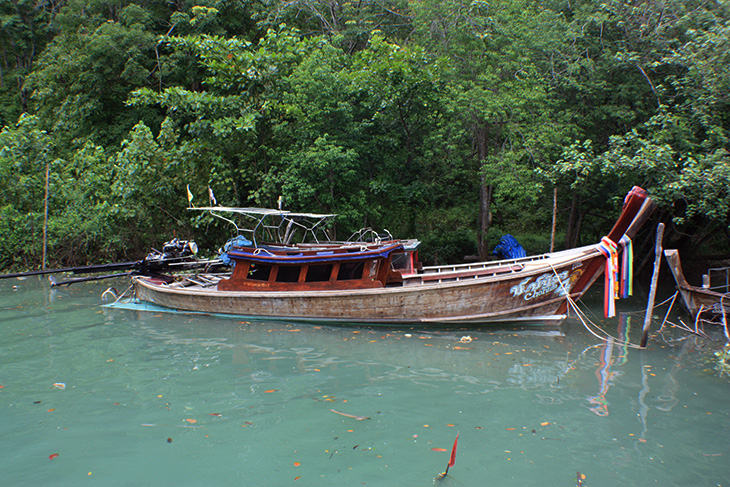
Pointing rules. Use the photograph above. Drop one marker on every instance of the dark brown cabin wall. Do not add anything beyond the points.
(372, 278)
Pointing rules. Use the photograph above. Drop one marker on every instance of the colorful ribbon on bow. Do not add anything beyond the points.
(627, 267)
(611, 292)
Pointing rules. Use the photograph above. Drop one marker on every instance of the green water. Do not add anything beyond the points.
(160, 399)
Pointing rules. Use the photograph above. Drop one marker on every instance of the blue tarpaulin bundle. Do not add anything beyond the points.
(509, 248)
(239, 241)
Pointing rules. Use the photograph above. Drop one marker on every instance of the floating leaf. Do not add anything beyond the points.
(191, 420)
(270, 391)
(215, 414)
(51, 410)
(52, 456)
(545, 423)
(439, 449)
(296, 464)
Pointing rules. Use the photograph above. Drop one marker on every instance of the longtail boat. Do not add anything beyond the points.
(712, 298)
(381, 281)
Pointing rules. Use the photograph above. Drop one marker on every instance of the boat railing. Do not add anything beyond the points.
(717, 279)
(474, 266)
(462, 273)
(368, 235)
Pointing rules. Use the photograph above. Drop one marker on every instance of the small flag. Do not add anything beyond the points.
(190, 196)
(212, 197)
(452, 460)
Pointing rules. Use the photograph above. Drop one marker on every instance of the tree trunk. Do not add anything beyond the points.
(573, 229)
(485, 191)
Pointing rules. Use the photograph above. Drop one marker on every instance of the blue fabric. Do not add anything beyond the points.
(509, 248)
(239, 241)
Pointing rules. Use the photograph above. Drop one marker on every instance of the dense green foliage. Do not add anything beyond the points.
(446, 121)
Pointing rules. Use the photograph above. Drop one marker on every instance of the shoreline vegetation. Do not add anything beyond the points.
(451, 123)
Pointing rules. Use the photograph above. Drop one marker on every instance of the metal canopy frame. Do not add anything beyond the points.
(280, 226)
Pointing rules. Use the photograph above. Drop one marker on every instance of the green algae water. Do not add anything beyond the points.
(98, 396)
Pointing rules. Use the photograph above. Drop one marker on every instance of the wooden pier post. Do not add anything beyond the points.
(654, 280)
(555, 219)
(45, 218)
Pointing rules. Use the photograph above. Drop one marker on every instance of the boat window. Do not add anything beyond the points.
(350, 270)
(319, 273)
(259, 272)
(373, 268)
(288, 273)
(401, 262)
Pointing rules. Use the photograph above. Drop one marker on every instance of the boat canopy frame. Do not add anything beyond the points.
(277, 226)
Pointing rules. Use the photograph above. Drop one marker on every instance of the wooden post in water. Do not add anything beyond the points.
(45, 218)
(652, 289)
(555, 217)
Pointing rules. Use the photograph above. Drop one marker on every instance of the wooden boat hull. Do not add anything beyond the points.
(531, 289)
(694, 298)
(536, 293)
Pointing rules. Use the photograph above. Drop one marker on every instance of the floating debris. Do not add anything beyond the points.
(359, 418)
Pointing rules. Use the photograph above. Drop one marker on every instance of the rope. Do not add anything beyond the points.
(586, 321)
(724, 316)
(111, 291)
(669, 310)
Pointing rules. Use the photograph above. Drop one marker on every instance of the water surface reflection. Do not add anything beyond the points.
(260, 403)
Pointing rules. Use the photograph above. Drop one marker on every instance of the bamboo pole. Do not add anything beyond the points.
(555, 217)
(45, 218)
(654, 280)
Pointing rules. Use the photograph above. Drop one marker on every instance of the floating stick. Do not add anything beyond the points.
(353, 416)
(452, 460)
